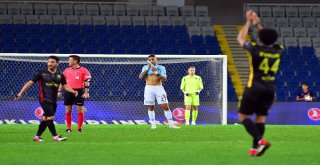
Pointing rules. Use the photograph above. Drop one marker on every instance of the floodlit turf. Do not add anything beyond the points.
(138, 144)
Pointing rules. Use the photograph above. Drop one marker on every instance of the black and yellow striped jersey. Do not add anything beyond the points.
(264, 62)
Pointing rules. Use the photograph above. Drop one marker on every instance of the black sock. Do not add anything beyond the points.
(42, 127)
(51, 127)
(261, 128)
(252, 130)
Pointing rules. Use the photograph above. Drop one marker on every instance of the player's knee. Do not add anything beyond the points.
(150, 108)
(50, 118)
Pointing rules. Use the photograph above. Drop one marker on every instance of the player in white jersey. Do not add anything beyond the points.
(154, 90)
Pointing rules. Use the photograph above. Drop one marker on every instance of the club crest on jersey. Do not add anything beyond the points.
(314, 114)
(178, 113)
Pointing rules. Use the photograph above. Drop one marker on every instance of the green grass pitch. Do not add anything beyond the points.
(138, 144)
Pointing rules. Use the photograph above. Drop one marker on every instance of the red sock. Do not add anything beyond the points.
(68, 120)
(80, 120)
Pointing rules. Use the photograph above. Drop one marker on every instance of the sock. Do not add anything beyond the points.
(261, 128)
(80, 120)
(68, 120)
(168, 115)
(194, 115)
(42, 128)
(187, 115)
(152, 116)
(51, 127)
(253, 131)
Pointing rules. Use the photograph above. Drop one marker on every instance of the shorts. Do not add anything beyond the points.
(70, 99)
(257, 99)
(192, 99)
(49, 109)
(153, 93)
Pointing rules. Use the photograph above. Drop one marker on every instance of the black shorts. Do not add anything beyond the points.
(49, 109)
(70, 99)
(257, 99)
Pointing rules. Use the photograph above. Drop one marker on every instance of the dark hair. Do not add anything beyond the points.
(75, 57)
(55, 58)
(304, 83)
(268, 36)
(152, 55)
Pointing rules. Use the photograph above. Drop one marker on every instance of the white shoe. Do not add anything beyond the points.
(187, 123)
(153, 125)
(174, 126)
(193, 123)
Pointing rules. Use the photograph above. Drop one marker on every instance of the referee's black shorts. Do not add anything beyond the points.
(257, 99)
(49, 109)
(70, 99)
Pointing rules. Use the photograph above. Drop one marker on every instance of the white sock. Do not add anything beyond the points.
(152, 116)
(168, 115)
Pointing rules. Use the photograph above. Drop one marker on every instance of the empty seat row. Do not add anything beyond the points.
(101, 20)
(292, 22)
(299, 32)
(101, 9)
(205, 31)
(287, 11)
(301, 41)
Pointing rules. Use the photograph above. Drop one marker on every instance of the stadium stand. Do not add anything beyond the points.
(106, 29)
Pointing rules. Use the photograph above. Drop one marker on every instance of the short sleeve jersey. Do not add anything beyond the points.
(76, 77)
(160, 69)
(48, 85)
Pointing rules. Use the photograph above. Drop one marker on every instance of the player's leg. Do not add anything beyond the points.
(69, 99)
(195, 105)
(162, 100)
(41, 129)
(187, 114)
(246, 109)
(50, 110)
(194, 114)
(79, 101)
(262, 114)
(149, 100)
(187, 103)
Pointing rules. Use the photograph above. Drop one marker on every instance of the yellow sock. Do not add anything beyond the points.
(187, 115)
(194, 115)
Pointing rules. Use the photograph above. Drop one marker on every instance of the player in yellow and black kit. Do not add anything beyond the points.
(258, 96)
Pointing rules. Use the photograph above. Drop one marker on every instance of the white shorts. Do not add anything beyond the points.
(151, 93)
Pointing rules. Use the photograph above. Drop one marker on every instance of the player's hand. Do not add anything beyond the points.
(154, 69)
(148, 65)
(255, 19)
(85, 95)
(249, 14)
(60, 94)
(197, 92)
(76, 93)
(17, 97)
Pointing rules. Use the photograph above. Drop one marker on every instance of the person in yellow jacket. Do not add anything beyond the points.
(191, 86)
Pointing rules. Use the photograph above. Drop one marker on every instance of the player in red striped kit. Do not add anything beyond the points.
(78, 78)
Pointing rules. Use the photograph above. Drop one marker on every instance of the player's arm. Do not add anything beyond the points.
(242, 36)
(24, 89)
(87, 79)
(69, 89)
(183, 85)
(144, 71)
(60, 90)
(200, 86)
(298, 98)
(162, 74)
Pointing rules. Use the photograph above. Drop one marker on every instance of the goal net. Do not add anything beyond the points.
(116, 92)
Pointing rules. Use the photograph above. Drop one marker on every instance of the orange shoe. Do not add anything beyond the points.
(263, 146)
